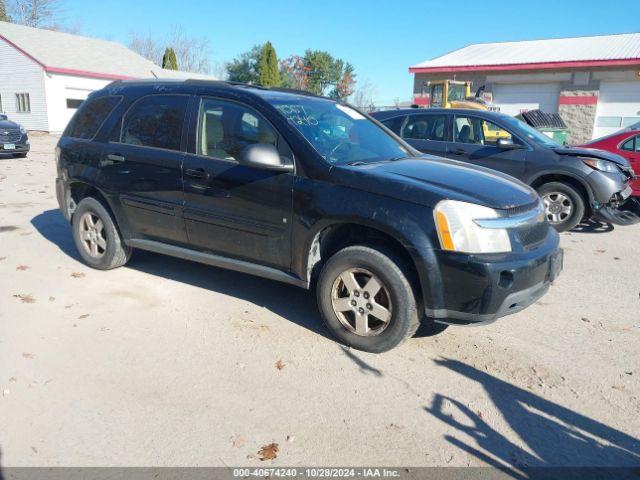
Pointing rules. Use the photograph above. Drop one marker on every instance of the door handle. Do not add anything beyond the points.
(459, 151)
(116, 157)
(196, 173)
(111, 159)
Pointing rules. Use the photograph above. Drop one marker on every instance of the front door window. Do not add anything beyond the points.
(478, 131)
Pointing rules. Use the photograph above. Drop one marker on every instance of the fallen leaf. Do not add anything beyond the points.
(77, 275)
(279, 364)
(22, 268)
(290, 438)
(237, 441)
(601, 251)
(25, 298)
(51, 299)
(3, 258)
(616, 258)
(13, 380)
(34, 449)
(586, 320)
(268, 452)
(618, 387)
(28, 355)
(83, 316)
(5, 392)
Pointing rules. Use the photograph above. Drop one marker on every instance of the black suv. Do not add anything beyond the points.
(574, 183)
(13, 138)
(304, 190)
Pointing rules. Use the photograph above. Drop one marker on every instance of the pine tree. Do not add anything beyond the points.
(268, 68)
(169, 60)
(4, 16)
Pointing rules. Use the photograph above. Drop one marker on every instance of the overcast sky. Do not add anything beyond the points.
(381, 38)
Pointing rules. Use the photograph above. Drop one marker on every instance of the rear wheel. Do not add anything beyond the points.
(563, 204)
(96, 236)
(366, 300)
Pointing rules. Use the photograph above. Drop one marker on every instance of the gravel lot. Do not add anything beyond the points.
(166, 362)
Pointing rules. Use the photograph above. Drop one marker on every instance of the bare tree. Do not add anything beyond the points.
(147, 47)
(192, 53)
(363, 96)
(36, 13)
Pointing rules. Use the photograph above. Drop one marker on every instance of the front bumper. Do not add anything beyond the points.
(478, 289)
(19, 148)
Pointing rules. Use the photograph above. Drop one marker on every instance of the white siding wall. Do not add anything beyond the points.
(59, 88)
(20, 74)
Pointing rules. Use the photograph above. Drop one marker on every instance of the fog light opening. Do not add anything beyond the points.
(506, 279)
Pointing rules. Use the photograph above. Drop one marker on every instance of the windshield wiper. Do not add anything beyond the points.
(358, 163)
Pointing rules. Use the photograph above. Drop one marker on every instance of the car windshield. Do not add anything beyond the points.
(340, 134)
(530, 132)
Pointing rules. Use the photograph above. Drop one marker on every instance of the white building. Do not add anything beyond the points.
(593, 82)
(45, 75)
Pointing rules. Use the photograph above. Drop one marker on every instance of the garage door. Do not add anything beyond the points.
(515, 99)
(618, 107)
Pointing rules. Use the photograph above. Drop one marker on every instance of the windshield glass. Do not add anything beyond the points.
(338, 133)
(530, 132)
(457, 92)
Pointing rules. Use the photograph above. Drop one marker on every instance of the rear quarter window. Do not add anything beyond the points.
(90, 117)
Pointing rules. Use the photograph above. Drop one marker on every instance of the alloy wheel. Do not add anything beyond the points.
(361, 302)
(93, 235)
(557, 206)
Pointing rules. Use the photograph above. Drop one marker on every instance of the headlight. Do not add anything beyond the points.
(458, 232)
(23, 130)
(602, 165)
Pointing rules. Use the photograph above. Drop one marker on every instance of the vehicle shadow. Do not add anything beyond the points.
(593, 226)
(293, 303)
(550, 435)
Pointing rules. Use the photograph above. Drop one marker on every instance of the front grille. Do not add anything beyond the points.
(532, 235)
(507, 212)
(10, 136)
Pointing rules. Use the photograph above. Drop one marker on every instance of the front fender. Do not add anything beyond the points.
(318, 208)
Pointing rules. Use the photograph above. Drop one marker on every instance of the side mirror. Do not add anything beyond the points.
(506, 144)
(264, 156)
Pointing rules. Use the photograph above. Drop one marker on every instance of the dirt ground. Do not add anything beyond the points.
(170, 363)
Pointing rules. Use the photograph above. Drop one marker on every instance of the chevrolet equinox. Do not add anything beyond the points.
(305, 190)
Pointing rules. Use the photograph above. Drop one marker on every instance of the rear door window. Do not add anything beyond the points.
(91, 116)
(425, 127)
(155, 121)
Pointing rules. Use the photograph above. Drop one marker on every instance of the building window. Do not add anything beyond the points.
(74, 103)
(23, 104)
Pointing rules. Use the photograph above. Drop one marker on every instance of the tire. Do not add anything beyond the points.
(564, 205)
(360, 264)
(110, 250)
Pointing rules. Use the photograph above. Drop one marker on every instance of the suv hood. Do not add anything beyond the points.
(8, 124)
(593, 153)
(427, 180)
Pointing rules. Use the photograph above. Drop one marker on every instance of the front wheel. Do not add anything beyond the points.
(563, 205)
(366, 300)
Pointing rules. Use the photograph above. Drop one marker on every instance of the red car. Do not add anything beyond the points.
(626, 143)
